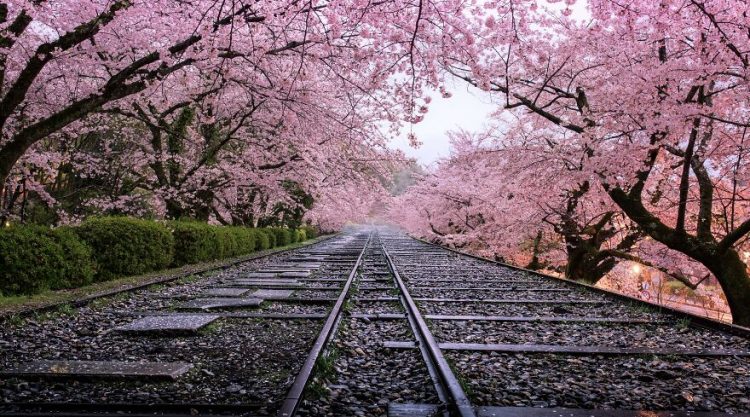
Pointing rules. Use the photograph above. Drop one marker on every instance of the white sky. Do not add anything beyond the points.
(468, 108)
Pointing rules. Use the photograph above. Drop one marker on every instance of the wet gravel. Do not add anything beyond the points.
(414, 282)
(379, 293)
(366, 376)
(503, 295)
(641, 382)
(293, 308)
(369, 376)
(324, 285)
(253, 361)
(236, 361)
(313, 294)
(379, 285)
(531, 310)
(586, 334)
(650, 383)
(377, 307)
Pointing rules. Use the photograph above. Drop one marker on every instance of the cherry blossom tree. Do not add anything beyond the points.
(62, 61)
(539, 210)
(656, 92)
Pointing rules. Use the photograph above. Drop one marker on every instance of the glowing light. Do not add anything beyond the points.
(7, 223)
(636, 269)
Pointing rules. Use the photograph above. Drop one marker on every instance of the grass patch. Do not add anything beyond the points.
(192, 278)
(15, 320)
(323, 371)
(461, 381)
(683, 323)
(210, 328)
(643, 308)
(66, 310)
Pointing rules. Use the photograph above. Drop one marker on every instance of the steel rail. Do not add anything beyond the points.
(85, 300)
(437, 382)
(695, 319)
(294, 396)
(458, 401)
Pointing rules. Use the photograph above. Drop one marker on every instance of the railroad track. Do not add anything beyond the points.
(461, 336)
(508, 342)
(373, 323)
(237, 343)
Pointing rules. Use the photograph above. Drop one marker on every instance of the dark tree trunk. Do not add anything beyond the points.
(205, 203)
(585, 262)
(535, 264)
(9, 155)
(720, 258)
(174, 209)
(732, 275)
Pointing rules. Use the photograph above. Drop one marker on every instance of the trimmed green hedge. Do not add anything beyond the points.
(262, 242)
(271, 237)
(126, 246)
(310, 231)
(283, 237)
(79, 267)
(194, 242)
(36, 258)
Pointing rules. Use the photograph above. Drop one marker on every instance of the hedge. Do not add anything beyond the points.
(126, 246)
(244, 240)
(310, 231)
(36, 258)
(262, 242)
(283, 237)
(79, 267)
(194, 242)
(271, 237)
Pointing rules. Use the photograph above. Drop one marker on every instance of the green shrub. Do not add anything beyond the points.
(262, 242)
(79, 267)
(226, 242)
(30, 260)
(301, 235)
(271, 237)
(310, 232)
(293, 236)
(127, 246)
(200, 242)
(245, 240)
(282, 236)
(35, 258)
(194, 242)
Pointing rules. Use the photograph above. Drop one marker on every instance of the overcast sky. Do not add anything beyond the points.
(468, 108)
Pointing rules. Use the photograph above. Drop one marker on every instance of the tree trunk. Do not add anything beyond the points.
(202, 209)
(535, 264)
(585, 263)
(174, 209)
(725, 264)
(578, 267)
(732, 275)
(9, 155)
